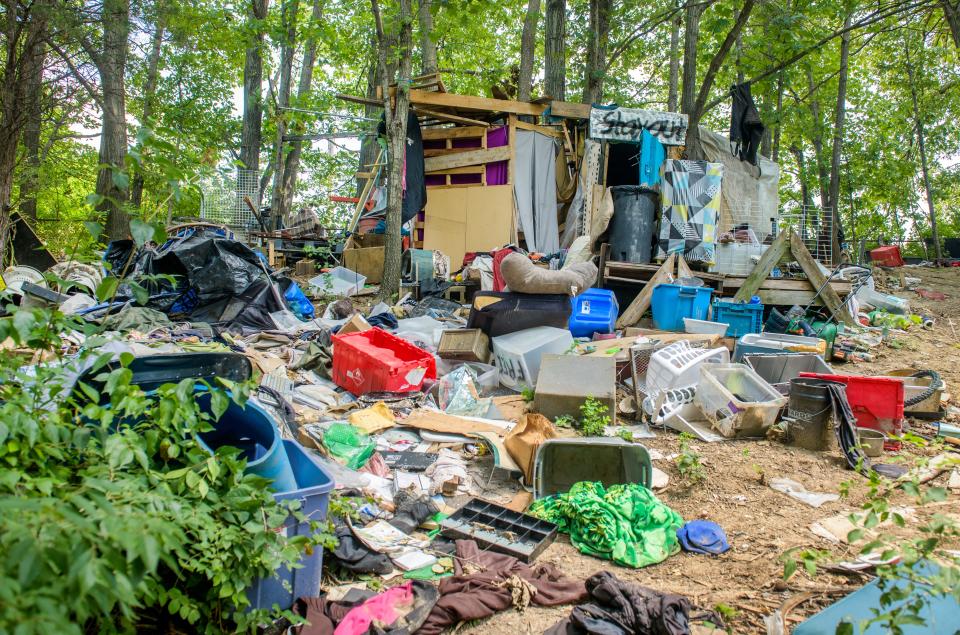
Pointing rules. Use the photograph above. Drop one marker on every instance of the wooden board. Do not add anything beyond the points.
(769, 259)
(569, 110)
(641, 303)
(470, 102)
(472, 218)
(817, 278)
(730, 283)
(459, 132)
(463, 159)
(669, 337)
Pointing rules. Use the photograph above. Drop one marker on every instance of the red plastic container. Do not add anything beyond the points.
(877, 402)
(377, 361)
(888, 256)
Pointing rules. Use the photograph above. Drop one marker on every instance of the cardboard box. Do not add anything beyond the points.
(356, 324)
(364, 253)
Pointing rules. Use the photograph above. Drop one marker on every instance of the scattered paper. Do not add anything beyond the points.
(374, 419)
(795, 490)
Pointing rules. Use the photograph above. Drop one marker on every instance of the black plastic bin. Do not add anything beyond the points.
(634, 223)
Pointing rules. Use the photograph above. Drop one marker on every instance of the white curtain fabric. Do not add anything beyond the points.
(535, 190)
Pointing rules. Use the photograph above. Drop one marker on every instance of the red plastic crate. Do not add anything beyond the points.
(877, 402)
(377, 361)
(888, 256)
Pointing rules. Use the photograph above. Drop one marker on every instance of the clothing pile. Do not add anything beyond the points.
(623, 523)
(617, 607)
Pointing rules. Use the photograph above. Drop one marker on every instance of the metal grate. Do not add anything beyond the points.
(222, 200)
(814, 226)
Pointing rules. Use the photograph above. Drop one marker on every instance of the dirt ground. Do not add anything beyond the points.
(761, 523)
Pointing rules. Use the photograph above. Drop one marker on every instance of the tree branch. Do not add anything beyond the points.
(93, 92)
(717, 61)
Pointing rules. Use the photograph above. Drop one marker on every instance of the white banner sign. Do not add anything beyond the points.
(627, 124)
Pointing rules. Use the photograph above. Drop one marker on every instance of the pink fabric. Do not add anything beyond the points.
(380, 609)
(497, 172)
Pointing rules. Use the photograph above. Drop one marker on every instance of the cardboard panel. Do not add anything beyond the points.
(447, 237)
(489, 217)
(463, 219)
(448, 204)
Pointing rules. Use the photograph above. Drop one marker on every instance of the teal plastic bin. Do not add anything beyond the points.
(253, 431)
(673, 302)
(312, 489)
(742, 318)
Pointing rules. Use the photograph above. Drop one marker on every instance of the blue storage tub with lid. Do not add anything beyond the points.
(594, 311)
(742, 318)
(673, 302)
(314, 485)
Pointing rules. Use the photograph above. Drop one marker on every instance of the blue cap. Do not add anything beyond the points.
(703, 536)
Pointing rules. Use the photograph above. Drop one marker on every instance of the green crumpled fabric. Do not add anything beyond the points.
(623, 523)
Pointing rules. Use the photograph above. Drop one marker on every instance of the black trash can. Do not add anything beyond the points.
(634, 222)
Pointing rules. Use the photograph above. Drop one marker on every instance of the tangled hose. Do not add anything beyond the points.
(936, 383)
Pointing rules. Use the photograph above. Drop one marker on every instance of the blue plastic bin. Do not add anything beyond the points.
(673, 302)
(313, 491)
(252, 430)
(742, 318)
(594, 311)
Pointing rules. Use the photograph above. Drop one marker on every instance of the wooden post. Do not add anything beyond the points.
(769, 260)
(817, 279)
(683, 269)
(641, 303)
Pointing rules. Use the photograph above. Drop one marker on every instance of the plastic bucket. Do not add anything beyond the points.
(810, 409)
(251, 430)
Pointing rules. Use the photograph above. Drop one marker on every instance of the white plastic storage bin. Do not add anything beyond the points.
(735, 259)
(518, 354)
(736, 400)
(676, 365)
(339, 281)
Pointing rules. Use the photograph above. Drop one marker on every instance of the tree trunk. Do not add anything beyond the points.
(805, 199)
(823, 178)
(428, 45)
(253, 90)
(111, 63)
(292, 162)
(34, 58)
(396, 129)
(673, 91)
(691, 37)
(924, 167)
(528, 46)
(778, 124)
(288, 20)
(149, 95)
(555, 50)
(951, 11)
(599, 35)
(833, 197)
(693, 149)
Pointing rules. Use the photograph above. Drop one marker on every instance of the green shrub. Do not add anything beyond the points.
(113, 518)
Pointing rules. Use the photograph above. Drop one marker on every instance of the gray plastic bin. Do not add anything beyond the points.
(560, 463)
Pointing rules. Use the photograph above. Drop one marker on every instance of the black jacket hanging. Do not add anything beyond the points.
(746, 127)
(415, 193)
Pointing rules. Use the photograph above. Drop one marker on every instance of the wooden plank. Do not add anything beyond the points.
(731, 284)
(448, 117)
(458, 132)
(641, 303)
(604, 251)
(817, 278)
(569, 110)
(470, 102)
(788, 298)
(461, 159)
(769, 259)
(683, 269)
(365, 101)
(553, 132)
(471, 169)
